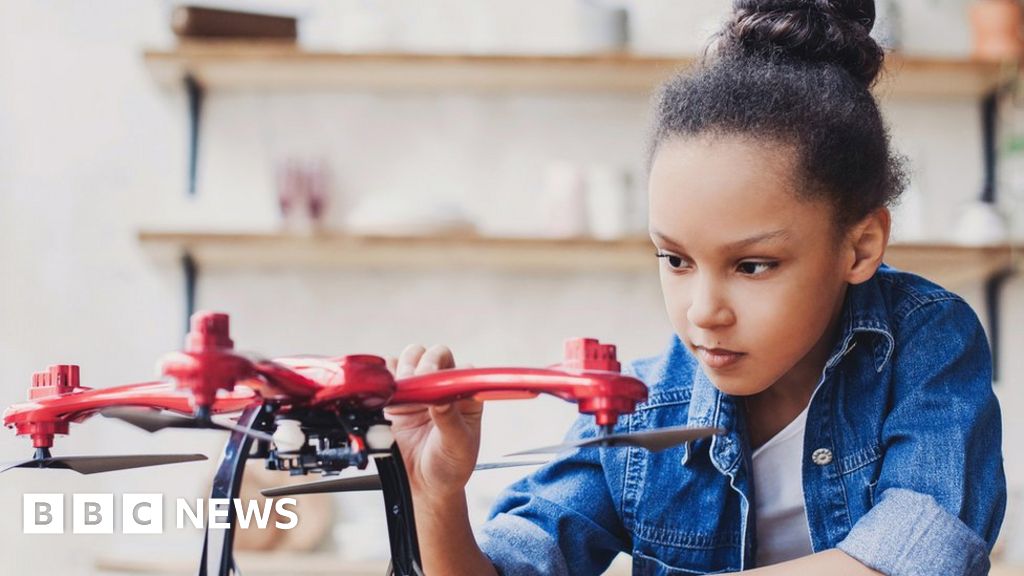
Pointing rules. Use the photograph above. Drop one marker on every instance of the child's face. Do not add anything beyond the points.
(753, 281)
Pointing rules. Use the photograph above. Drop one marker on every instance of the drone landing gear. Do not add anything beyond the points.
(405, 548)
(218, 545)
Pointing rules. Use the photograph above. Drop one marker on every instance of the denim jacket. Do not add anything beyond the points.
(902, 464)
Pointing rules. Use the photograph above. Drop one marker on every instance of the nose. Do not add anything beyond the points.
(709, 307)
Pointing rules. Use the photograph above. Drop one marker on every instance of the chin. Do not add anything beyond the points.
(737, 385)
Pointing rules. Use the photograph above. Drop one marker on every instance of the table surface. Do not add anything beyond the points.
(316, 564)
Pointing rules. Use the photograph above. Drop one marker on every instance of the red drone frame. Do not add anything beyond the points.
(311, 414)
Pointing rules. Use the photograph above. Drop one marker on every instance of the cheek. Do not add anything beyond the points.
(772, 312)
(812, 299)
(677, 299)
(785, 316)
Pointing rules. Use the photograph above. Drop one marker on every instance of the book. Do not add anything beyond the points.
(203, 22)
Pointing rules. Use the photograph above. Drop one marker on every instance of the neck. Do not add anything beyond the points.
(770, 411)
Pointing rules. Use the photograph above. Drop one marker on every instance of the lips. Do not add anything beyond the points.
(718, 358)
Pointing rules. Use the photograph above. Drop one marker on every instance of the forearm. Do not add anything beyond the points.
(447, 544)
(832, 562)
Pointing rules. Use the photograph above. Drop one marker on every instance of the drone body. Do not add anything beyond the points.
(308, 414)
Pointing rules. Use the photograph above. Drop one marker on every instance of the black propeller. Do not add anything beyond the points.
(365, 483)
(96, 464)
(152, 420)
(653, 440)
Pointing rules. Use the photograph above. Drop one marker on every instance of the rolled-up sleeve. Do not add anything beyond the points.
(941, 494)
(908, 533)
(561, 520)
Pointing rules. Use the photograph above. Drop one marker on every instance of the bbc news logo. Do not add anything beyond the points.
(144, 513)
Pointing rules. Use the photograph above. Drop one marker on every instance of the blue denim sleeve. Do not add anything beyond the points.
(558, 521)
(941, 493)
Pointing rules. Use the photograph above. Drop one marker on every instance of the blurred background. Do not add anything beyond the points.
(352, 176)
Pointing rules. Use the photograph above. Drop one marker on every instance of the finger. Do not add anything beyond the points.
(404, 409)
(436, 358)
(392, 364)
(458, 440)
(469, 407)
(447, 419)
(461, 416)
(408, 360)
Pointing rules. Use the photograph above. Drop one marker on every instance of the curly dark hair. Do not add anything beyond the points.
(795, 73)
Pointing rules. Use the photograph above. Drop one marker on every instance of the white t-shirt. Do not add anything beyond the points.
(782, 532)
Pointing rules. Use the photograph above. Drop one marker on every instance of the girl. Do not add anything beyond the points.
(863, 434)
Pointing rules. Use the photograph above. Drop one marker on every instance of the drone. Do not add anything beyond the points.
(314, 415)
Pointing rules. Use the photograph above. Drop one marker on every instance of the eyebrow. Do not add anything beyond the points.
(739, 244)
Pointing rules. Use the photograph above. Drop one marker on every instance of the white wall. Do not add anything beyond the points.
(91, 149)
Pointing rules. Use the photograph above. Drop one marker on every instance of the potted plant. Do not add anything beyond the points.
(996, 27)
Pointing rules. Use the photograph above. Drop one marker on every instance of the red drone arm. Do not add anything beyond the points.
(56, 399)
(606, 395)
(589, 376)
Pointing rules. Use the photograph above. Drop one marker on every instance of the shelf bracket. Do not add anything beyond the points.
(190, 273)
(993, 304)
(195, 92)
(995, 282)
(989, 137)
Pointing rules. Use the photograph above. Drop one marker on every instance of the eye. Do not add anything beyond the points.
(674, 262)
(756, 268)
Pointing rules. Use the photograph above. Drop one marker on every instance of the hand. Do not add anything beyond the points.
(439, 444)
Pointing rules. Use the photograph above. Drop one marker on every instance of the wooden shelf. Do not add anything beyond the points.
(277, 65)
(948, 265)
(951, 265)
(331, 250)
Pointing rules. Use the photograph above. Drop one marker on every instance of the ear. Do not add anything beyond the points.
(866, 242)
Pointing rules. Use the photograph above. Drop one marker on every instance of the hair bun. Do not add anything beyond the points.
(829, 31)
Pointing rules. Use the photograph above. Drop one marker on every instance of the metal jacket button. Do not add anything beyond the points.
(822, 456)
